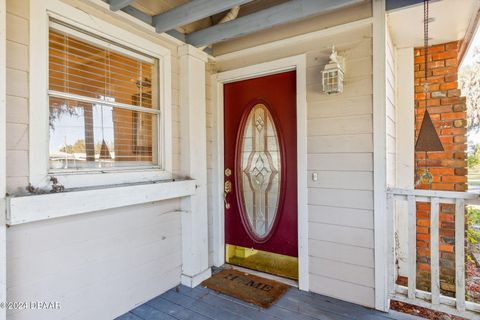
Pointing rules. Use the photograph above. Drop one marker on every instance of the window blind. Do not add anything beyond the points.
(103, 103)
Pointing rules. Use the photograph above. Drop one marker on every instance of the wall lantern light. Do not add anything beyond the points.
(333, 73)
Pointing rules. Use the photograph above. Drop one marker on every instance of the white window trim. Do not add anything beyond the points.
(39, 174)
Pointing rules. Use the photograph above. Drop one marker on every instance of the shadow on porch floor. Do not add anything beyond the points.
(205, 304)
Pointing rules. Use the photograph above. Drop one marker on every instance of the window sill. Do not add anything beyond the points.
(30, 208)
(98, 178)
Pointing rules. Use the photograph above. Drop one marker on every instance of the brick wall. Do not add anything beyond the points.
(447, 110)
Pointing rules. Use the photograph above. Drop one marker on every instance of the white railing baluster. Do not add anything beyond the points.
(460, 253)
(434, 299)
(435, 250)
(412, 246)
(391, 243)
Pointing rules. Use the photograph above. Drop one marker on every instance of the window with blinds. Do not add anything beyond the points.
(103, 101)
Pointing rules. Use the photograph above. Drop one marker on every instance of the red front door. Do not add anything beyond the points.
(261, 172)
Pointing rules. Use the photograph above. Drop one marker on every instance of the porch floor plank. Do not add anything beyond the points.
(200, 303)
(129, 316)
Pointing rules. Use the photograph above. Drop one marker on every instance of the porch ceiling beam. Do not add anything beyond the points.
(138, 14)
(148, 20)
(190, 12)
(116, 5)
(398, 4)
(284, 13)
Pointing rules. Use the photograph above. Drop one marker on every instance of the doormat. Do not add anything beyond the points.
(249, 288)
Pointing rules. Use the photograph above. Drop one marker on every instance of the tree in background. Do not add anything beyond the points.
(79, 147)
(469, 82)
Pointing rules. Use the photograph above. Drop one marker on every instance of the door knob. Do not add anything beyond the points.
(227, 190)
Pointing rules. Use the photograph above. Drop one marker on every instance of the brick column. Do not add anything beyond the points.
(447, 110)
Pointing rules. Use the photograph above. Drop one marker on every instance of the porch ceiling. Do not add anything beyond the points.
(197, 21)
(452, 20)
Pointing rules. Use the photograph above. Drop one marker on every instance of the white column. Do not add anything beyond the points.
(3, 243)
(195, 267)
(405, 149)
(379, 156)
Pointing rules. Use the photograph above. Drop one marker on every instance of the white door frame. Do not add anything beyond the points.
(297, 63)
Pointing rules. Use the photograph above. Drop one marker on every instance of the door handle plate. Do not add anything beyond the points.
(228, 186)
(227, 189)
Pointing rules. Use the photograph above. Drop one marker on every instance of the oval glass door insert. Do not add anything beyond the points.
(260, 178)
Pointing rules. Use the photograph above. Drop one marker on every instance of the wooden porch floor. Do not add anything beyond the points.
(204, 304)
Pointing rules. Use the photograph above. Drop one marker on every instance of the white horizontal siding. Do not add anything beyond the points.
(342, 271)
(340, 143)
(340, 125)
(340, 152)
(346, 161)
(356, 180)
(391, 111)
(100, 264)
(349, 217)
(356, 199)
(342, 252)
(342, 290)
(358, 105)
(340, 234)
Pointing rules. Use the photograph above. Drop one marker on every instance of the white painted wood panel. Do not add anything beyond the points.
(355, 199)
(342, 290)
(340, 161)
(412, 247)
(361, 105)
(342, 253)
(26, 209)
(354, 180)
(341, 143)
(342, 271)
(340, 125)
(390, 69)
(18, 7)
(3, 147)
(359, 218)
(460, 254)
(434, 250)
(108, 262)
(340, 234)
(17, 29)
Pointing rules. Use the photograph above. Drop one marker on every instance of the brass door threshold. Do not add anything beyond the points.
(263, 261)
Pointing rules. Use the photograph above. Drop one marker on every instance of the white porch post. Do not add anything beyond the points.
(194, 164)
(405, 149)
(3, 242)
(379, 156)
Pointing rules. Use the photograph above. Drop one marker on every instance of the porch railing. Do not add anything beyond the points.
(410, 294)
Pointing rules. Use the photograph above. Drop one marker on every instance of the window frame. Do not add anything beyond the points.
(41, 12)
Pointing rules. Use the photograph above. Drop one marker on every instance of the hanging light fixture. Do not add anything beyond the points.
(428, 139)
(333, 73)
